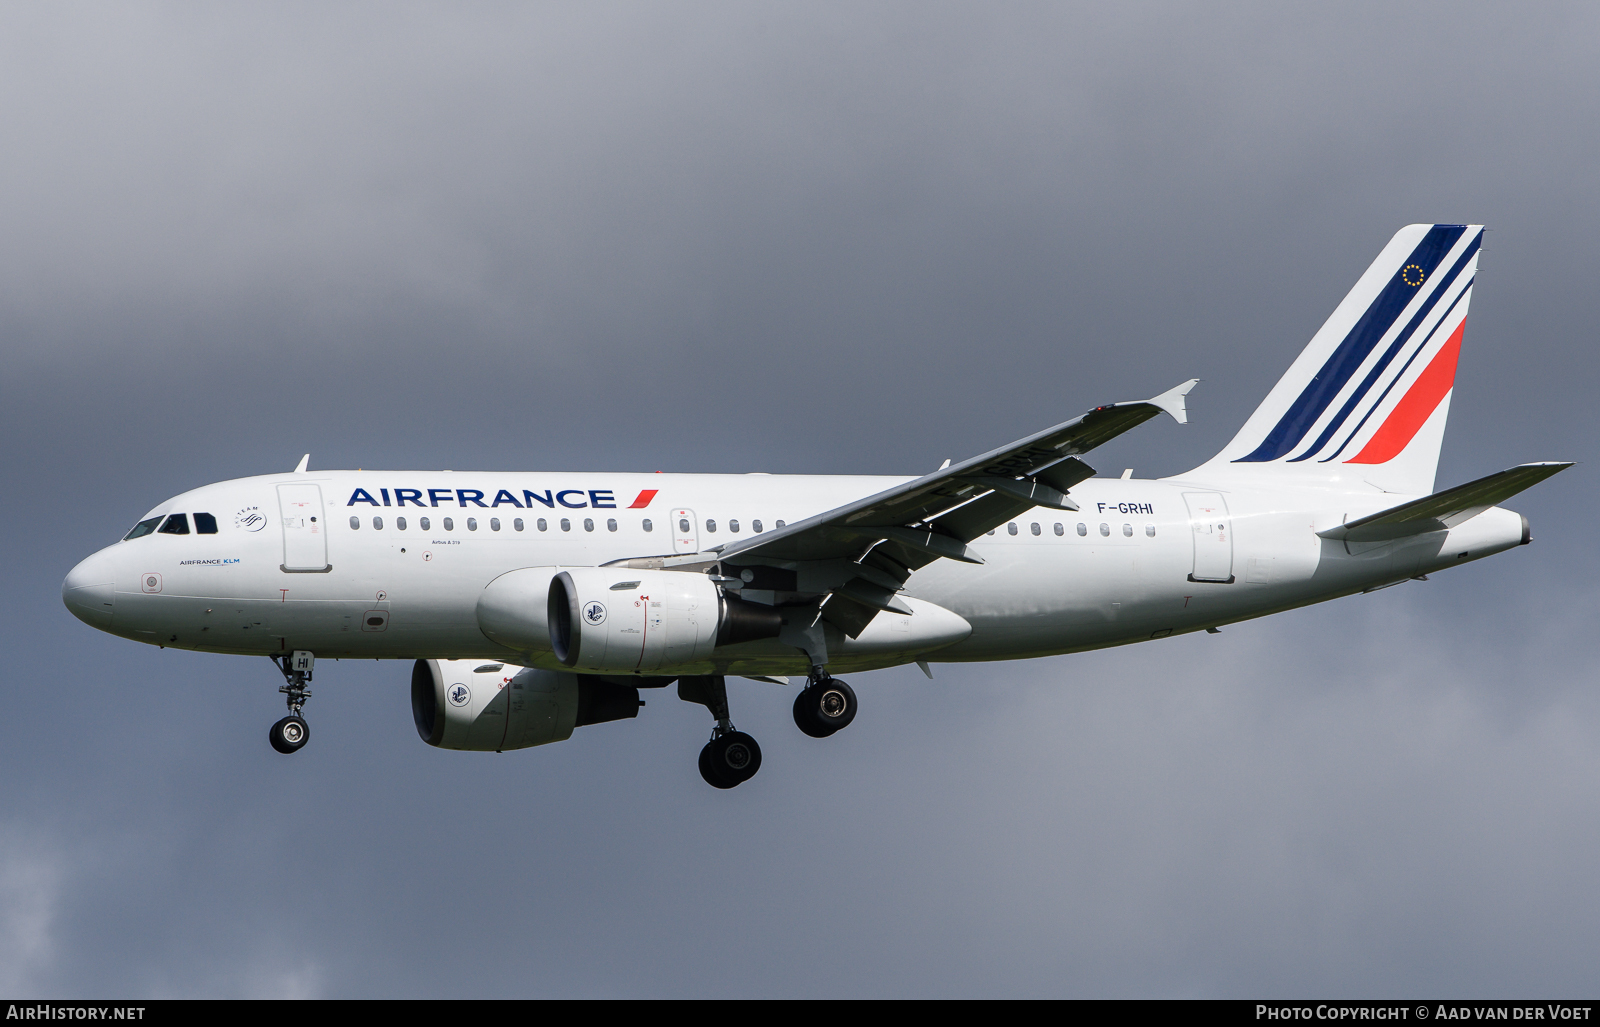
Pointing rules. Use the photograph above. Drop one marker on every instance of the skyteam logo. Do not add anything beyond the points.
(1390, 357)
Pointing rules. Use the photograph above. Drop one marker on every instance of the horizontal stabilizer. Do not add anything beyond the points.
(1445, 509)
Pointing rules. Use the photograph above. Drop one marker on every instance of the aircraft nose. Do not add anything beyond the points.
(90, 590)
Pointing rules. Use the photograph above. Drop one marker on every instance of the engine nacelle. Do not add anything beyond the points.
(610, 620)
(491, 707)
(511, 610)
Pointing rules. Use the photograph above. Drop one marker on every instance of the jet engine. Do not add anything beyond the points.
(610, 620)
(470, 704)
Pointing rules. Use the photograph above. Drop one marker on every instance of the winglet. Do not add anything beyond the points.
(300, 468)
(1172, 401)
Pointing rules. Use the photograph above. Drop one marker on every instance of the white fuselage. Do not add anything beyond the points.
(1119, 570)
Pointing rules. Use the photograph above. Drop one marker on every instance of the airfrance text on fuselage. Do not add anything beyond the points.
(571, 499)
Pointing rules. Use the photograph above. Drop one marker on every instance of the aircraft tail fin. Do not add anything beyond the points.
(1367, 399)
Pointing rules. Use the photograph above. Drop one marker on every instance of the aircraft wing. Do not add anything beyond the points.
(857, 556)
(1446, 509)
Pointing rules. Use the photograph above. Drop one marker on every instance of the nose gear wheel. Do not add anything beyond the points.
(289, 734)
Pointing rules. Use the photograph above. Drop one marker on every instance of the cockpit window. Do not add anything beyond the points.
(177, 524)
(205, 524)
(142, 529)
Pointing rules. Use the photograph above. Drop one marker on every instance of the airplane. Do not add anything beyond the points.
(532, 604)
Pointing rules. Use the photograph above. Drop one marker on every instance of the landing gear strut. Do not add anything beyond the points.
(825, 705)
(292, 732)
(731, 757)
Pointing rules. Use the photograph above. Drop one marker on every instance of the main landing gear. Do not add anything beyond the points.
(825, 705)
(731, 757)
(292, 732)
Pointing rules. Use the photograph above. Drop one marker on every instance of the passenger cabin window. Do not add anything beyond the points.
(683, 525)
(1150, 530)
(1059, 529)
(611, 524)
(1034, 527)
(423, 522)
(205, 524)
(542, 524)
(1011, 529)
(780, 525)
(588, 524)
(472, 524)
(400, 522)
(1105, 529)
(449, 524)
(494, 524)
(177, 524)
(755, 526)
(711, 526)
(1083, 529)
(142, 529)
(733, 526)
(566, 525)
(355, 524)
(517, 523)
(1127, 530)
(648, 526)
(377, 523)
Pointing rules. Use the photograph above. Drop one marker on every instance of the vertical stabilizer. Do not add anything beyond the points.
(1367, 399)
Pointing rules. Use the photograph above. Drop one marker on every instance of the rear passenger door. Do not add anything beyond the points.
(1213, 537)
(305, 529)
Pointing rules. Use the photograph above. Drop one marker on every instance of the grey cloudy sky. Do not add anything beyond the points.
(806, 238)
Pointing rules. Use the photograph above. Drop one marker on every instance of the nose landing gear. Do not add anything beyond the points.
(292, 732)
(825, 705)
(731, 757)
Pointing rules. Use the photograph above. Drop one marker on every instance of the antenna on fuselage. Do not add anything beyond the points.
(300, 468)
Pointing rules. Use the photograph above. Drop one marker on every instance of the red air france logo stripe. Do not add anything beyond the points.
(1414, 409)
(648, 494)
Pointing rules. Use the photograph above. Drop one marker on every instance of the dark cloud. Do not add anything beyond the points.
(802, 238)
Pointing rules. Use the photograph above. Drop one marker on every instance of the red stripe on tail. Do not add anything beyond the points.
(1418, 404)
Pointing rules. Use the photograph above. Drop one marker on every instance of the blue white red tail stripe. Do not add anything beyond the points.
(1461, 300)
(1353, 350)
(1375, 380)
(1401, 341)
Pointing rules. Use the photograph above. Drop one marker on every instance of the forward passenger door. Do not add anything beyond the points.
(305, 529)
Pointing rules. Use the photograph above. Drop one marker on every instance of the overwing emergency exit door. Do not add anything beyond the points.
(685, 536)
(305, 528)
(1213, 537)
